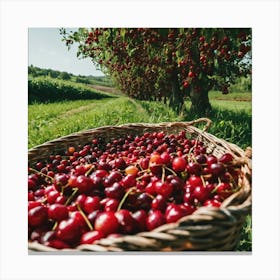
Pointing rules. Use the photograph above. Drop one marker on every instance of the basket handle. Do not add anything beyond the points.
(200, 120)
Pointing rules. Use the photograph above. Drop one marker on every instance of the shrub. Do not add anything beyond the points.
(46, 89)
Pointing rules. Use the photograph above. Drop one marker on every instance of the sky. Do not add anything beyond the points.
(46, 50)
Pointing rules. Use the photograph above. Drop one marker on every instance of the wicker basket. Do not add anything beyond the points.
(207, 229)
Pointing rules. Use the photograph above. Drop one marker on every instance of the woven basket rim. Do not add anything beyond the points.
(227, 212)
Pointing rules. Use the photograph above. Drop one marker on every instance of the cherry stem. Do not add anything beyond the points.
(63, 188)
(71, 196)
(143, 171)
(89, 171)
(172, 171)
(140, 177)
(55, 225)
(203, 181)
(163, 174)
(85, 217)
(125, 196)
(41, 173)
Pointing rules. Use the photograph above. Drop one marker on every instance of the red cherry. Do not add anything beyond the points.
(80, 170)
(57, 244)
(211, 159)
(163, 188)
(202, 39)
(174, 212)
(52, 196)
(78, 218)
(110, 204)
(69, 230)
(212, 203)
(106, 223)
(224, 190)
(37, 216)
(32, 184)
(155, 219)
(120, 163)
(140, 217)
(201, 193)
(33, 204)
(57, 212)
(226, 158)
(165, 158)
(217, 169)
(91, 204)
(191, 74)
(194, 168)
(92, 216)
(185, 84)
(101, 173)
(159, 203)
(188, 198)
(90, 236)
(195, 181)
(144, 163)
(179, 164)
(60, 180)
(128, 181)
(127, 223)
(150, 188)
(115, 191)
(84, 184)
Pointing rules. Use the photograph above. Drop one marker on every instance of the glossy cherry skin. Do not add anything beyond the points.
(155, 219)
(176, 211)
(163, 188)
(69, 230)
(37, 215)
(226, 158)
(128, 224)
(212, 203)
(84, 184)
(179, 164)
(140, 217)
(116, 191)
(107, 223)
(91, 204)
(90, 236)
(201, 193)
(217, 169)
(57, 212)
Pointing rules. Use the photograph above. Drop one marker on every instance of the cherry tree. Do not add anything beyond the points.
(168, 64)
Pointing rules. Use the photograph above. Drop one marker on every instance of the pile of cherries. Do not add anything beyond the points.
(129, 185)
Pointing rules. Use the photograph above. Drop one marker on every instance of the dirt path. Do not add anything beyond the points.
(82, 108)
(106, 89)
(138, 106)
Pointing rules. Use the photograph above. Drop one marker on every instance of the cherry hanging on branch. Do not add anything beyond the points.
(168, 64)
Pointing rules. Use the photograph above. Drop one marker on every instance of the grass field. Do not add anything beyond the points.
(231, 119)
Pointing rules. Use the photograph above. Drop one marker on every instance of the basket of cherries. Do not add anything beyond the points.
(138, 187)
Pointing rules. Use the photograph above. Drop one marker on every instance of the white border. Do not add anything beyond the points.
(262, 16)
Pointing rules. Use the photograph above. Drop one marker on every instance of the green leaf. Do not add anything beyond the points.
(123, 32)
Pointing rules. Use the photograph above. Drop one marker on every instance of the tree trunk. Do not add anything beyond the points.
(176, 100)
(200, 104)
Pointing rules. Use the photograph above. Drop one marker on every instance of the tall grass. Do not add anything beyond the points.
(49, 121)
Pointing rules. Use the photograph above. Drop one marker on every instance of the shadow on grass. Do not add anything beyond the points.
(232, 126)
